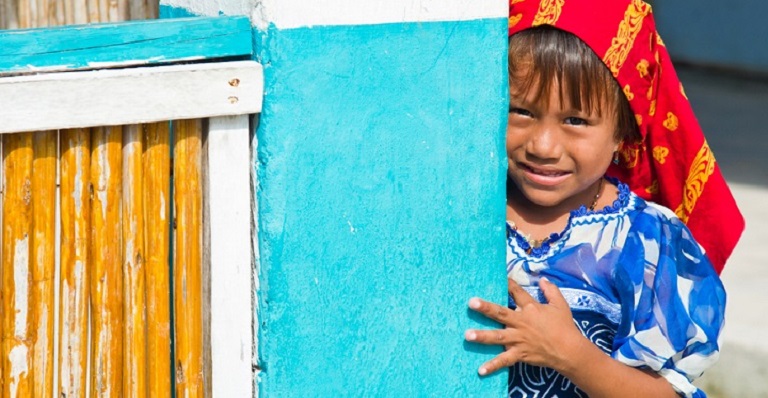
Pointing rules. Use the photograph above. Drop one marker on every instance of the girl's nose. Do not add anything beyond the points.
(543, 143)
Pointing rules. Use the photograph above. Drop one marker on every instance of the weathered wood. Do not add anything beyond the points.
(16, 352)
(123, 9)
(107, 277)
(76, 191)
(135, 354)
(122, 44)
(93, 11)
(187, 265)
(228, 231)
(110, 97)
(24, 15)
(157, 185)
(153, 9)
(43, 260)
(138, 9)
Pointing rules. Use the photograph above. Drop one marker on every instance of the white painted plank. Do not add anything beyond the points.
(129, 96)
(229, 206)
(297, 13)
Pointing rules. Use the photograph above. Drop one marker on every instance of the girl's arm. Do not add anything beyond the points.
(545, 335)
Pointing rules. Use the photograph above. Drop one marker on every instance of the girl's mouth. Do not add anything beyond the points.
(547, 177)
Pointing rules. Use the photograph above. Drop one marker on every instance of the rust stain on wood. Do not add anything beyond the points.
(188, 258)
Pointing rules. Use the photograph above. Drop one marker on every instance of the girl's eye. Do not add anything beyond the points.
(520, 111)
(576, 121)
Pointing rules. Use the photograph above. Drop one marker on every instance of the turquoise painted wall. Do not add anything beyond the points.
(715, 33)
(381, 207)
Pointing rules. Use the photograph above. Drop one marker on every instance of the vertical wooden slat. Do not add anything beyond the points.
(16, 276)
(152, 9)
(134, 254)
(75, 265)
(92, 10)
(187, 270)
(138, 9)
(24, 14)
(107, 277)
(11, 15)
(43, 260)
(227, 254)
(157, 184)
(41, 11)
(104, 6)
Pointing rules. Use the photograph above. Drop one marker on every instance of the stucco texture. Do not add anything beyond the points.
(381, 207)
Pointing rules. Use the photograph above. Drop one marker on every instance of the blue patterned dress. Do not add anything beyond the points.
(639, 287)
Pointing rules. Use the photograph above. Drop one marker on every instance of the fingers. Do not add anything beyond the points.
(498, 313)
(503, 337)
(521, 297)
(552, 293)
(501, 361)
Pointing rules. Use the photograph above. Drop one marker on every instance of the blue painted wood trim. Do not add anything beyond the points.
(124, 44)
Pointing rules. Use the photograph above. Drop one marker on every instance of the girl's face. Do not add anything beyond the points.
(557, 153)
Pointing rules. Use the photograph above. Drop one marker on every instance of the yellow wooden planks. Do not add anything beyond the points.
(157, 184)
(43, 260)
(187, 265)
(16, 276)
(134, 254)
(106, 277)
(74, 297)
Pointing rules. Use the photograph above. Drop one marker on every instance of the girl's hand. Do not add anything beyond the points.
(535, 333)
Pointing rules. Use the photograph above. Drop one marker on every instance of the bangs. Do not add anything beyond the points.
(543, 55)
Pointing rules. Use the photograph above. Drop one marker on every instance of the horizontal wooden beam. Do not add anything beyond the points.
(99, 46)
(128, 96)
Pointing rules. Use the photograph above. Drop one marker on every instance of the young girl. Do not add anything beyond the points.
(593, 268)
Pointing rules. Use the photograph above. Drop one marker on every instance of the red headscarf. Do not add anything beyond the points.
(673, 164)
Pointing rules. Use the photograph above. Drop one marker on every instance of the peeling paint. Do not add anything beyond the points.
(19, 367)
(21, 284)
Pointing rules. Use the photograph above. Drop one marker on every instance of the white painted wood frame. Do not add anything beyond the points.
(228, 207)
(120, 96)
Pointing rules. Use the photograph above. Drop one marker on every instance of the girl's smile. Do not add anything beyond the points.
(557, 154)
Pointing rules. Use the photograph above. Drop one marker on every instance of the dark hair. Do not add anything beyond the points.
(546, 54)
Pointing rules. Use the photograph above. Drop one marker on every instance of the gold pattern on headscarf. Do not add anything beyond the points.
(702, 167)
(514, 20)
(628, 93)
(659, 41)
(671, 123)
(660, 154)
(639, 119)
(652, 108)
(654, 188)
(549, 12)
(642, 67)
(682, 90)
(625, 37)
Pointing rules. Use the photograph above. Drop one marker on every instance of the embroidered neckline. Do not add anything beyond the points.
(557, 238)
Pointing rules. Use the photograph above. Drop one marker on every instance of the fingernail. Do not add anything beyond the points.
(482, 371)
(544, 279)
(474, 303)
(470, 335)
